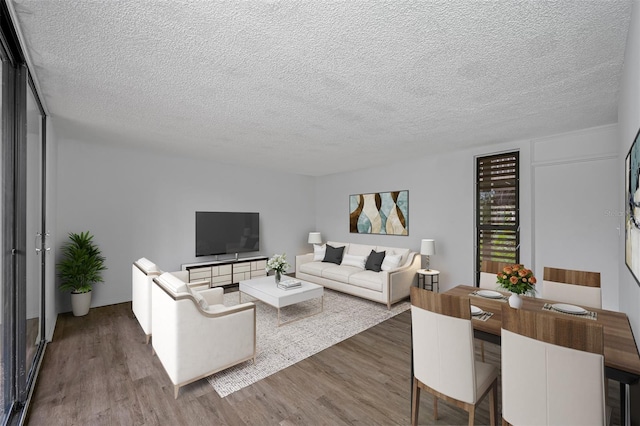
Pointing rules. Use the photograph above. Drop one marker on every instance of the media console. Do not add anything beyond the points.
(226, 272)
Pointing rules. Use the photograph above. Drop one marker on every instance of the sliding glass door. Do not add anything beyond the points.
(22, 256)
(35, 235)
(5, 314)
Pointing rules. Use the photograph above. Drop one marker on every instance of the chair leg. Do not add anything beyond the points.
(148, 338)
(415, 402)
(472, 415)
(176, 390)
(482, 350)
(493, 407)
(435, 407)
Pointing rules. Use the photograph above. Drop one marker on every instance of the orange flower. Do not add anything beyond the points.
(533, 280)
(507, 270)
(514, 280)
(523, 272)
(516, 267)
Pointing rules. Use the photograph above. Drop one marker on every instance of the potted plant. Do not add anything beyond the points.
(518, 280)
(81, 266)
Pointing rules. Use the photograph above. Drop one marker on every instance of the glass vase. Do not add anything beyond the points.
(278, 276)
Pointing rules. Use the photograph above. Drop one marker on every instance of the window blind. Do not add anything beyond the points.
(497, 208)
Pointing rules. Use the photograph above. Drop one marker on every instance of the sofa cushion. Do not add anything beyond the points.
(395, 250)
(173, 283)
(391, 261)
(319, 251)
(374, 261)
(340, 273)
(367, 279)
(333, 254)
(360, 249)
(315, 268)
(199, 298)
(352, 260)
(336, 244)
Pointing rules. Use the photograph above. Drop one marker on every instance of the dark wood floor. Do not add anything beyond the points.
(98, 371)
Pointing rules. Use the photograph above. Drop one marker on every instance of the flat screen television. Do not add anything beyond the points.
(227, 233)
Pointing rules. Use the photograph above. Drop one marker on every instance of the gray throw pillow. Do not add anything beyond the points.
(333, 254)
(374, 261)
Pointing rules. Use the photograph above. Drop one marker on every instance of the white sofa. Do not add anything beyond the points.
(194, 334)
(387, 286)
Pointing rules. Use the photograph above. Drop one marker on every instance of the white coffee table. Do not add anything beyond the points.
(266, 290)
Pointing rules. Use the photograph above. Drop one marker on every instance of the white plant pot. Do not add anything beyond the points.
(80, 303)
(515, 301)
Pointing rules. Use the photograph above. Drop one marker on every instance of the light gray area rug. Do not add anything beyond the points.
(279, 347)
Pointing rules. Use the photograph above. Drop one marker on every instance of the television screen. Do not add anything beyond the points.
(227, 233)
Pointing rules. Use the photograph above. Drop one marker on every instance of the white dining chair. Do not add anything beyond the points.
(488, 271)
(552, 369)
(570, 286)
(443, 358)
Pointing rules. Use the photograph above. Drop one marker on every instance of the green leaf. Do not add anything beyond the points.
(81, 265)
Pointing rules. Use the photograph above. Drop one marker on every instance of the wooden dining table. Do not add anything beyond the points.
(621, 358)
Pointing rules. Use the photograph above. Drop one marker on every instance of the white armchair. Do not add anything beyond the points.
(143, 271)
(195, 335)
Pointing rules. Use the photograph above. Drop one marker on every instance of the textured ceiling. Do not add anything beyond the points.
(319, 87)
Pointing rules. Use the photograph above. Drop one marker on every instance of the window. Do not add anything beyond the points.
(497, 209)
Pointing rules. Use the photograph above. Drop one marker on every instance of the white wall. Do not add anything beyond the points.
(628, 124)
(142, 204)
(441, 205)
(576, 217)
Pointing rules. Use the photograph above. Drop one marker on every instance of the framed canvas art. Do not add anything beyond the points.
(632, 210)
(384, 213)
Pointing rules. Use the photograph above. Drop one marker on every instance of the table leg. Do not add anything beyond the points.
(625, 404)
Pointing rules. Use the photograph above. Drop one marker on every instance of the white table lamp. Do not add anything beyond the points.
(428, 248)
(315, 238)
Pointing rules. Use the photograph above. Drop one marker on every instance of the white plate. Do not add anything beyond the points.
(475, 311)
(489, 294)
(569, 309)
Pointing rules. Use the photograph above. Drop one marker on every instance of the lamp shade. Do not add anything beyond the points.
(428, 247)
(315, 238)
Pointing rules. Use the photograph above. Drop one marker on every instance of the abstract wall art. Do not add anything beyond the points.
(632, 213)
(379, 213)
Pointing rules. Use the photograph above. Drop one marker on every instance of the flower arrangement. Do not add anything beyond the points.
(278, 263)
(517, 279)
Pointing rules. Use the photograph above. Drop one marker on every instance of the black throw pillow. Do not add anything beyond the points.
(374, 261)
(333, 254)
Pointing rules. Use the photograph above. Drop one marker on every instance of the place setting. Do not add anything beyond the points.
(479, 314)
(490, 294)
(564, 308)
